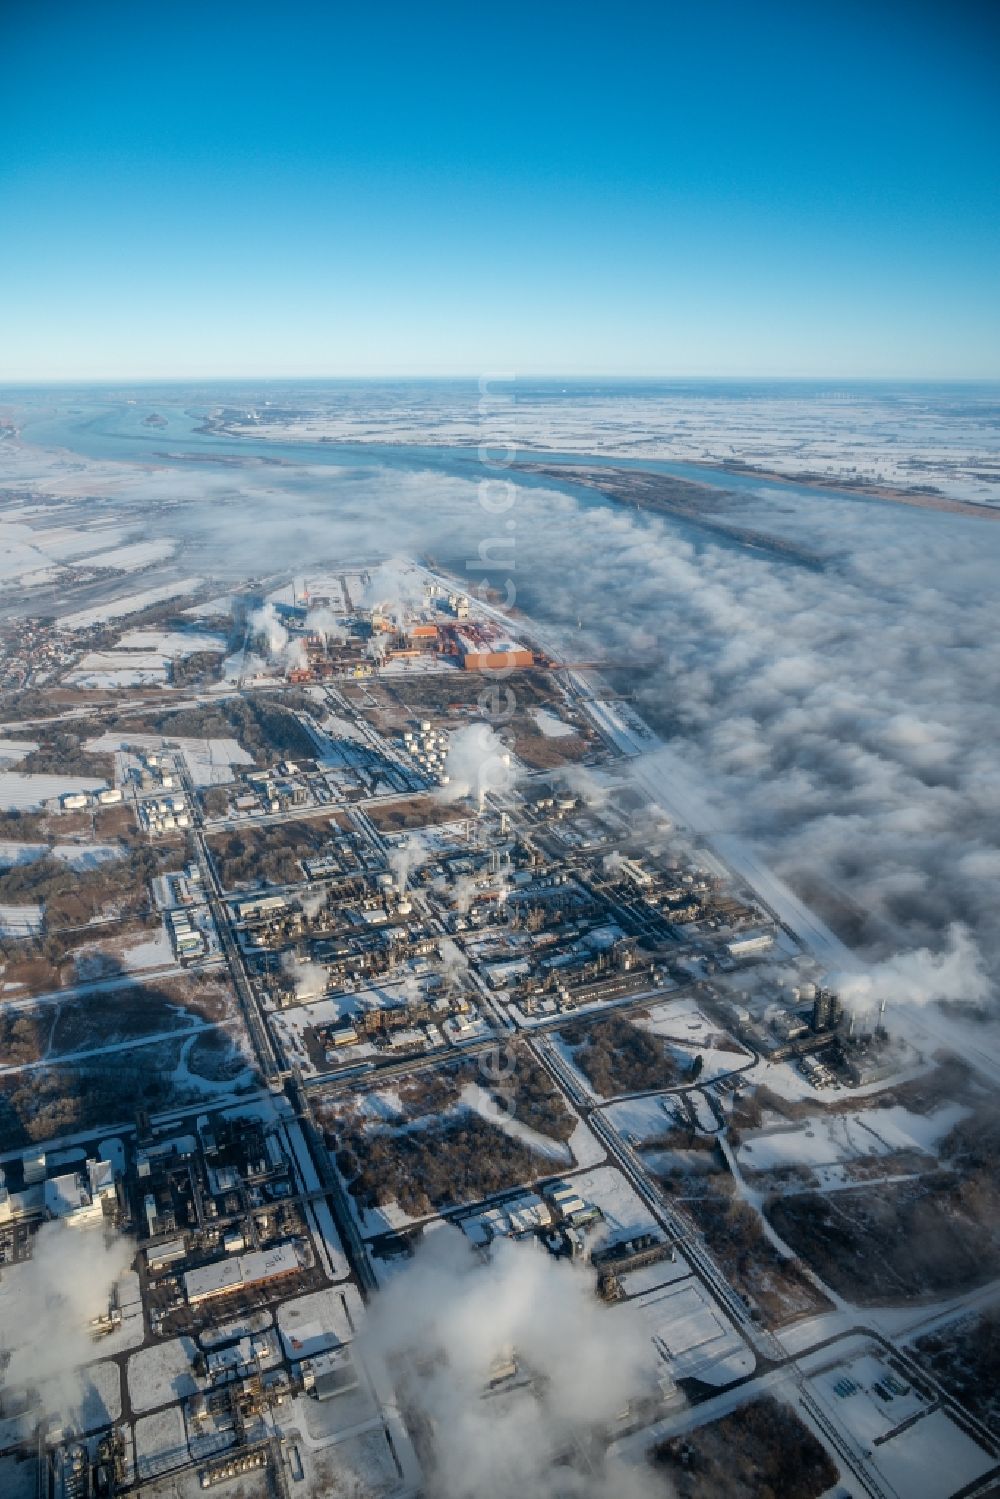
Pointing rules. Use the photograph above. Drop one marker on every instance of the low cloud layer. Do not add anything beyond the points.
(843, 719)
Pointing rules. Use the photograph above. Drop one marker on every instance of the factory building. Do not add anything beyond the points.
(746, 947)
(327, 1375)
(483, 648)
(239, 1272)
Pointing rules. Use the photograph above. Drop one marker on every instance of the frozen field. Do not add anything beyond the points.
(819, 1142)
(20, 921)
(691, 1336)
(27, 791)
(77, 855)
(82, 619)
(209, 761)
(134, 556)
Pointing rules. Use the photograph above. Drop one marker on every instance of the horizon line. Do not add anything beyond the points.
(14, 382)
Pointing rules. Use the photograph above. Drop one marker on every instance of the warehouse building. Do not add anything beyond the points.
(482, 648)
(239, 1272)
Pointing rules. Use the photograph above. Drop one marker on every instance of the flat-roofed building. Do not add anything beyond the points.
(238, 1272)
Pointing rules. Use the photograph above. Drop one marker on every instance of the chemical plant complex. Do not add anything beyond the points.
(344, 918)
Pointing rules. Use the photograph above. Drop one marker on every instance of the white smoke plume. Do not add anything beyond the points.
(266, 622)
(321, 620)
(46, 1307)
(281, 647)
(395, 588)
(444, 1323)
(477, 762)
(581, 782)
(404, 858)
(463, 893)
(309, 978)
(313, 902)
(920, 977)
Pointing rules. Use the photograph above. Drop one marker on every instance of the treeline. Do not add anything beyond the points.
(74, 897)
(436, 1167)
(619, 1057)
(760, 1451)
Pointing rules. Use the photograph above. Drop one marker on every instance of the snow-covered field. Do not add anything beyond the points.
(625, 1214)
(209, 761)
(930, 1459)
(691, 1334)
(12, 751)
(160, 1442)
(20, 921)
(322, 1319)
(102, 1395)
(154, 952)
(82, 619)
(837, 1138)
(26, 791)
(551, 725)
(900, 439)
(77, 855)
(688, 1034)
(114, 669)
(162, 1373)
(134, 556)
(170, 643)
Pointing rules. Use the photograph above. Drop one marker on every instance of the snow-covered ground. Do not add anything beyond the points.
(904, 441)
(209, 761)
(625, 1214)
(82, 619)
(163, 1372)
(550, 725)
(77, 855)
(320, 1320)
(20, 921)
(646, 1118)
(688, 1033)
(691, 1335)
(13, 751)
(134, 556)
(154, 952)
(119, 669)
(480, 1102)
(211, 607)
(930, 1459)
(27, 791)
(820, 1142)
(160, 1442)
(171, 643)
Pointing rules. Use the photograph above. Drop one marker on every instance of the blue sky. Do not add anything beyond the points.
(311, 189)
